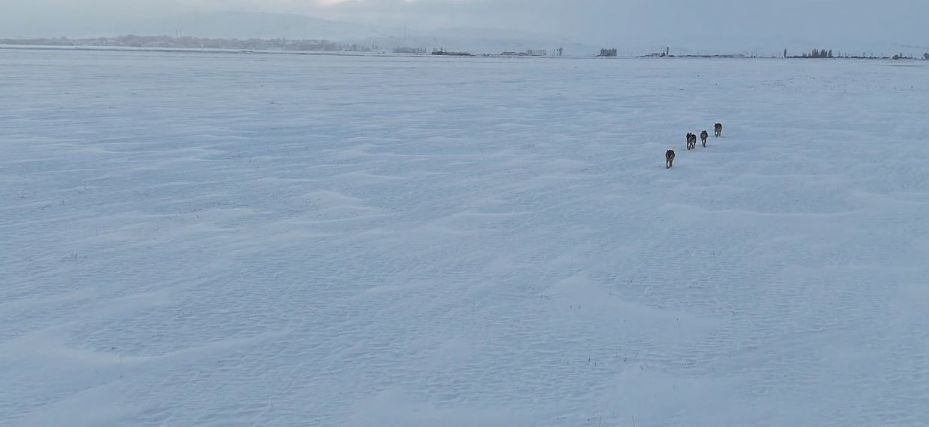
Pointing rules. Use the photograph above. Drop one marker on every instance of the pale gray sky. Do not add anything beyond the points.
(743, 23)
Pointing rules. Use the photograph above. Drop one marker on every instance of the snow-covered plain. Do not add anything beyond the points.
(212, 239)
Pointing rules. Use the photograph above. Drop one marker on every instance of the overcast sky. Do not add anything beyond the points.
(708, 22)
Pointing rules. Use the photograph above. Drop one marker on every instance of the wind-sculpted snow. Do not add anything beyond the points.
(216, 239)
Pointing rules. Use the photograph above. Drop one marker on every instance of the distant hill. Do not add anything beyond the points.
(271, 25)
(251, 25)
(240, 25)
(259, 25)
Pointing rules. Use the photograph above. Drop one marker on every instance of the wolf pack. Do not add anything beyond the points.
(692, 143)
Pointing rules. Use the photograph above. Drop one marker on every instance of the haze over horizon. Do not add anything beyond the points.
(707, 24)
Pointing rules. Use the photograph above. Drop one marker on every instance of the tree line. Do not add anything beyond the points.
(815, 53)
(827, 53)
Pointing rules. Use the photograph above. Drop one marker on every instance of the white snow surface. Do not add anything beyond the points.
(193, 239)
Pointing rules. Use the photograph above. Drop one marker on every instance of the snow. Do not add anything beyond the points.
(219, 239)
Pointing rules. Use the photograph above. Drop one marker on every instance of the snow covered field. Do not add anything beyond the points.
(214, 239)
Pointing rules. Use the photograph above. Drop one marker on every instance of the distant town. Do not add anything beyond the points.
(300, 45)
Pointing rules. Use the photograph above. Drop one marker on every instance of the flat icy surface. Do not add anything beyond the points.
(196, 239)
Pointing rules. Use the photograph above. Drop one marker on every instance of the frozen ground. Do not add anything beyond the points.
(209, 239)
